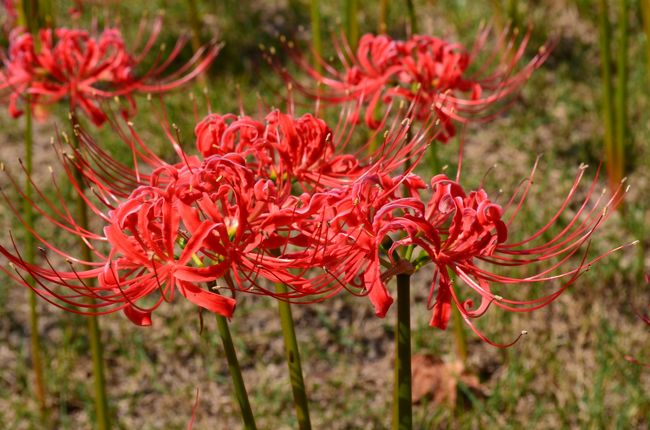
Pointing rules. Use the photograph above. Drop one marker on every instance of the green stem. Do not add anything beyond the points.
(434, 159)
(30, 254)
(645, 12)
(413, 20)
(460, 335)
(47, 13)
(316, 46)
(235, 373)
(97, 352)
(102, 418)
(513, 13)
(28, 15)
(382, 28)
(351, 22)
(621, 92)
(193, 12)
(293, 361)
(608, 93)
(402, 406)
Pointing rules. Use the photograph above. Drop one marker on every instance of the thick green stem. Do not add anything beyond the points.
(235, 373)
(460, 336)
(292, 354)
(28, 15)
(608, 93)
(351, 10)
(434, 159)
(102, 418)
(621, 91)
(29, 255)
(382, 27)
(402, 405)
(513, 13)
(316, 46)
(645, 12)
(97, 352)
(195, 22)
(413, 20)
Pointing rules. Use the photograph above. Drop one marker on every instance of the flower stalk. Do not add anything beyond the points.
(292, 354)
(621, 91)
(382, 27)
(402, 405)
(235, 373)
(351, 9)
(609, 137)
(413, 20)
(37, 361)
(102, 418)
(316, 44)
(195, 22)
(645, 15)
(28, 12)
(460, 335)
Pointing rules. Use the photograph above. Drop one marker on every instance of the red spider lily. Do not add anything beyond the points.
(282, 146)
(304, 149)
(86, 69)
(192, 224)
(463, 232)
(425, 70)
(144, 257)
(215, 221)
(288, 149)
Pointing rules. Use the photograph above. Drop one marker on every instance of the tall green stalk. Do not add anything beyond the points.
(195, 22)
(382, 26)
(413, 20)
(235, 373)
(29, 254)
(29, 18)
(102, 418)
(645, 15)
(513, 13)
(621, 90)
(351, 22)
(316, 45)
(402, 405)
(292, 354)
(460, 335)
(608, 91)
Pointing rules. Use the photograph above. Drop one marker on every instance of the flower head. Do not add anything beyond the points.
(467, 233)
(85, 69)
(430, 72)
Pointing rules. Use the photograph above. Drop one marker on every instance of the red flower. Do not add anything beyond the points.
(429, 72)
(464, 232)
(304, 150)
(87, 69)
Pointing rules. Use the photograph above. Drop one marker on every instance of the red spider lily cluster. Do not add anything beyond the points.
(283, 199)
(432, 72)
(276, 201)
(85, 69)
